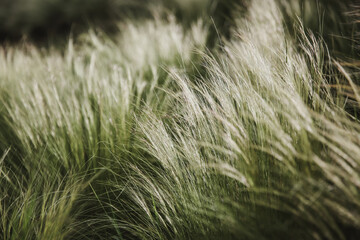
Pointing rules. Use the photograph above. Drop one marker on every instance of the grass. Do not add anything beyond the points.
(152, 134)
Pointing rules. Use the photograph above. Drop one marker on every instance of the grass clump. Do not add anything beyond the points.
(152, 135)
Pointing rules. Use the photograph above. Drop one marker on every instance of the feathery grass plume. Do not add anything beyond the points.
(68, 116)
(139, 136)
(259, 147)
(91, 91)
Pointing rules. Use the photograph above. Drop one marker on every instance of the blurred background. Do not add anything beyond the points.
(53, 20)
(41, 18)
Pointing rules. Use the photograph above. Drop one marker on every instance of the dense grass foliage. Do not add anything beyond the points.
(158, 133)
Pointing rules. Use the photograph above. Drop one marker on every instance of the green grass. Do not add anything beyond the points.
(152, 134)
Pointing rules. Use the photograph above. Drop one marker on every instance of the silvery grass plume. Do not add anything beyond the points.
(66, 118)
(149, 135)
(257, 148)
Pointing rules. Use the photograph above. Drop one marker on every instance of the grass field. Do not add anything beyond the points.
(214, 126)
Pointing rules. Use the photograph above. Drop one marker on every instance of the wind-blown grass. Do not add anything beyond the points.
(150, 135)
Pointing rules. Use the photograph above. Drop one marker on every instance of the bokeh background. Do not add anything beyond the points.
(41, 20)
